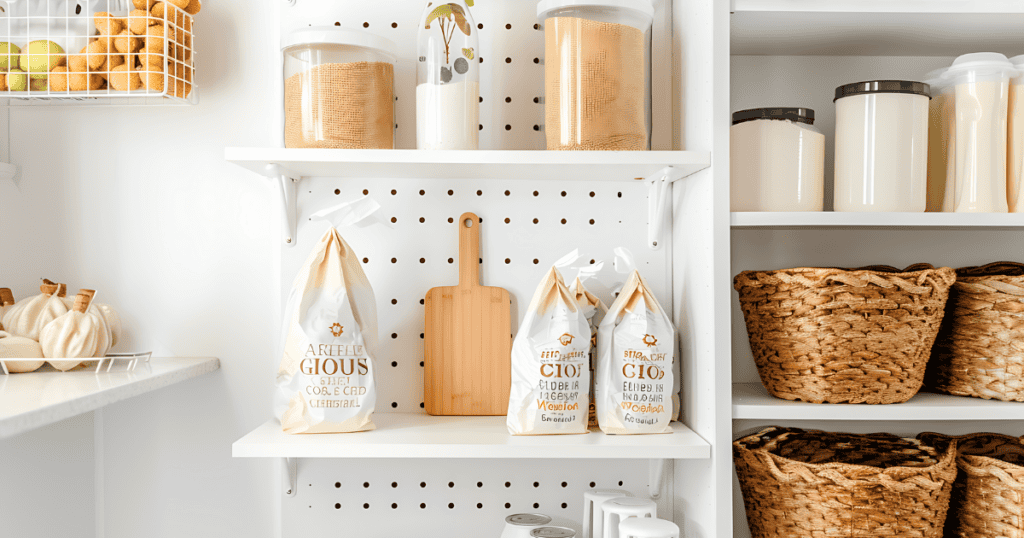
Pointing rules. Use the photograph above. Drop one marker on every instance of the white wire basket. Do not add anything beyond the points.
(96, 52)
(113, 362)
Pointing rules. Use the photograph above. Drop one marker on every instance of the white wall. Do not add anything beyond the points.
(138, 203)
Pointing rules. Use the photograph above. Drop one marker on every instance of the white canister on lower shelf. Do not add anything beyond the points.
(1015, 142)
(981, 83)
(882, 146)
(777, 160)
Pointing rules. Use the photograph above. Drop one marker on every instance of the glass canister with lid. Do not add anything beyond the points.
(777, 160)
(597, 73)
(882, 146)
(338, 89)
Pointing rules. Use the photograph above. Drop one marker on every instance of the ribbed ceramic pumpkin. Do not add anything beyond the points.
(28, 316)
(79, 334)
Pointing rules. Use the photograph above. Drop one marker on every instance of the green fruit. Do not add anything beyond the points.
(17, 80)
(41, 57)
(8, 56)
(39, 85)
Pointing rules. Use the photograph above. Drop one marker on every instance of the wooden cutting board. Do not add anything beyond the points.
(468, 338)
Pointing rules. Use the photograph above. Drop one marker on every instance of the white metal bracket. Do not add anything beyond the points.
(659, 205)
(656, 478)
(290, 476)
(287, 191)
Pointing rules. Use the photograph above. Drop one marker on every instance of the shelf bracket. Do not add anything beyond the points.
(287, 189)
(290, 476)
(656, 478)
(659, 205)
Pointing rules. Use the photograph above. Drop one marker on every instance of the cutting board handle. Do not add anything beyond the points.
(469, 250)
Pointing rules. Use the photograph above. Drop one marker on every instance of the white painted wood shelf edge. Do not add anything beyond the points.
(881, 6)
(831, 219)
(482, 164)
(413, 435)
(751, 401)
(30, 401)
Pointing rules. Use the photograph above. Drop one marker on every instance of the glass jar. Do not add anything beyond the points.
(597, 74)
(339, 89)
(882, 146)
(448, 78)
(777, 160)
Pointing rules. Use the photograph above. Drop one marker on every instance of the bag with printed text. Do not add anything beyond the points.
(635, 363)
(550, 364)
(326, 380)
(594, 310)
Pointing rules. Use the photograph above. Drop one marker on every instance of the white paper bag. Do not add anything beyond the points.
(635, 370)
(594, 310)
(550, 371)
(326, 380)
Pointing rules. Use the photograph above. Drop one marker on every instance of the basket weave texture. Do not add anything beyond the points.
(988, 496)
(814, 484)
(843, 335)
(980, 349)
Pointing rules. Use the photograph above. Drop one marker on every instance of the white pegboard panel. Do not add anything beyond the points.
(522, 234)
(435, 499)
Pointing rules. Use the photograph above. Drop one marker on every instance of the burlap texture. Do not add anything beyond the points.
(349, 106)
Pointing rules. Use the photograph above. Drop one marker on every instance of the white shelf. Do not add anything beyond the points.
(828, 219)
(484, 164)
(876, 27)
(33, 400)
(409, 435)
(752, 401)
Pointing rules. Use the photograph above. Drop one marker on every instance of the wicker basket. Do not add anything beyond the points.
(980, 349)
(843, 335)
(800, 484)
(988, 496)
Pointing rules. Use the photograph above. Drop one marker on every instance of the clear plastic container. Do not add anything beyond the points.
(1015, 142)
(941, 126)
(777, 160)
(882, 146)
(448, 78)
(339, 89)
(597, 74)
(981, 86)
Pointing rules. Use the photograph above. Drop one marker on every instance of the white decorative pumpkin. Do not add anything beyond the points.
(81, 333)
(28, 316)
(110, 315)
(19, 347)
(6, 302)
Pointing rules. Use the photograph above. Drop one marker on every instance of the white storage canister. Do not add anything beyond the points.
(777, 160)
(1015, 143)
(882, 146)
(597, 74)
(941, 124)
(338, 89)
(980, 84)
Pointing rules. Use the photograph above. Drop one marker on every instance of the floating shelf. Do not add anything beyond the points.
(29, 401)
(410, 435)
(829, 219)
(875, 27)
(751, 401)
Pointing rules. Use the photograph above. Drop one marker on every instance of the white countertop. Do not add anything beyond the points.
(33, 400)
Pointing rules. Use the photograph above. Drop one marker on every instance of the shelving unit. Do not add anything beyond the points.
(29, 401)
(881, 221)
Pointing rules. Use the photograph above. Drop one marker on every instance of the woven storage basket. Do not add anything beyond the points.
(814, 484)
(988, 496)
(843, 335)
(980, 350)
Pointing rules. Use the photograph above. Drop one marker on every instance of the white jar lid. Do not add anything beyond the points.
(987, 62)
(1018, 62)
(934, 79)
(644, 7)
(333, 35)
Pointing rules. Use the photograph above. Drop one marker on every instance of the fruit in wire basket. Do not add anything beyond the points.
(39, 57)
(139, 20)
(143, 4)
(122, 79)
(107, 24)
(3, 88)
(9, 53)
(193, 7)
(126, 43)
(39, 84)
(180, 4)
(17, 80)
(155, 37)
(97, 51)
(147, 58)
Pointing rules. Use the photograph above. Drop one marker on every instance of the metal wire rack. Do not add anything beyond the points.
(120, 362)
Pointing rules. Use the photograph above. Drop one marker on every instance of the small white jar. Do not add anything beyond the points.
(1015, 142)
(882, 146)
(777, 160)
(981, 84)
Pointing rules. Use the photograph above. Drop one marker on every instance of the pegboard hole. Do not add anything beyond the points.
(508, 127)
(592, 194)
(423, 260)
(450, 220)
(536, 99)
(536, 221)
(536, 60)
(593, 484)
(451, 506)
(536, 261)
(508, 99)
(394, 25)
(423, 484)
(394, 506)
(507, 261)
(421, 302)
(366, 484)
(366, 260)
(366, 506)
(394, 405)
(508, 26)
(480, 26)
(366, 191)
(337, 484)
(620, 195)
(536, 505)
(422, 192)
(508, 484)
(564, 505)
(563, 221)
(337, 191)
(422, 220)
(507, 220)
(394, 260)
(423, 505)
(451, 484)
(394, 364)
(479, 505)
(565, 484)
(337, 24)
(394, 301)
(450, 192)
(536, 193)
(394, 220)
(591, 222)
(592, 262)
(365, 25)
(536, 27)
(450, 260)
(508, 505)
(394, 484)
(337, 506)
(564, 194)
(479, 484)
(508, 193)
(536, 127)
(536, 484)
(481, 127)
(393, 192)
(620, 482)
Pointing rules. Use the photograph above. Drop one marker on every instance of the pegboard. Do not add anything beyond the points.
(437, 498)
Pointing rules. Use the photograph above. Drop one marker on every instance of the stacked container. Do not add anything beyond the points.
(1015, 147)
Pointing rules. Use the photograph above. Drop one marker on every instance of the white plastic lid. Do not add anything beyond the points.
(934, 78)
(984, 63)
(1018, 63)
(643, 7)
(333, 35)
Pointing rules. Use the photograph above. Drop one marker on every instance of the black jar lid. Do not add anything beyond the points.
(802, 115)
(883, 86)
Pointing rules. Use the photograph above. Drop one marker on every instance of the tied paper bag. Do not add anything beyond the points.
(594, 310)
(550, 364)
(325, 383)
(635, 350)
